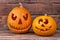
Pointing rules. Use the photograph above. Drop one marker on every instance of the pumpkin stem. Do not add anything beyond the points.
(45, 14)
(20, 4)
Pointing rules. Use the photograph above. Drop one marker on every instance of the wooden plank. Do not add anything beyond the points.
(55, 1)
(10, 1)
(6, 8)
(28, 1)
(37, 1)
(3, 21)
(43, 1)
(7, 35)
(33, 8)
(56, 8)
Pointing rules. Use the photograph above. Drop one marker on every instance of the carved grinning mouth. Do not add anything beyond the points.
(43, 29)
(14, 27)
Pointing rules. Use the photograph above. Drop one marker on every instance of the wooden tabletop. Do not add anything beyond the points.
(8, 35)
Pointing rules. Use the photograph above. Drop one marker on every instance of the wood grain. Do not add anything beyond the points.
(42, 1)
(28, 1)
(10, 1)
(33, 8)
(7, 35)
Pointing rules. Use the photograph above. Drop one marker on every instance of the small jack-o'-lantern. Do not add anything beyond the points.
(19, 20)
(44, 25)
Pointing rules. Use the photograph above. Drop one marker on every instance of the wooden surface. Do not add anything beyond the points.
(36, 8)
(7, 35)
(29, 1)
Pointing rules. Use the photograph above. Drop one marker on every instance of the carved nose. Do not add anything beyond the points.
(20, 22)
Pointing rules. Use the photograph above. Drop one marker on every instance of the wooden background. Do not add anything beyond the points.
(36, 7)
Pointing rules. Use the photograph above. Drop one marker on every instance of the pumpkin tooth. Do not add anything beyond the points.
(41, 29)
(14, 27)
(50, 27)
(23, 28)
(46, 29)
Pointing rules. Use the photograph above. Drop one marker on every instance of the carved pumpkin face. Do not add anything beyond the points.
(44, 25)
(19, 20)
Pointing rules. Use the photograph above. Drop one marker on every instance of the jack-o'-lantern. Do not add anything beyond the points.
(19, 20)
(44, 25)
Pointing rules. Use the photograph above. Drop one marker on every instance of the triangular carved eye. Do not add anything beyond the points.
(25, 17)
(14, 17)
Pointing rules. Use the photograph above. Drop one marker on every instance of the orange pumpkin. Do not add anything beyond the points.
(44, 25)
(19, 20)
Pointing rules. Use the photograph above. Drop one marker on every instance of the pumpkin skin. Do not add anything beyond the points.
(19, 20)
(44, 25)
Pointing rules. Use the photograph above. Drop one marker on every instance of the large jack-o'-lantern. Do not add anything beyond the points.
(19, 20)
(44, 25)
